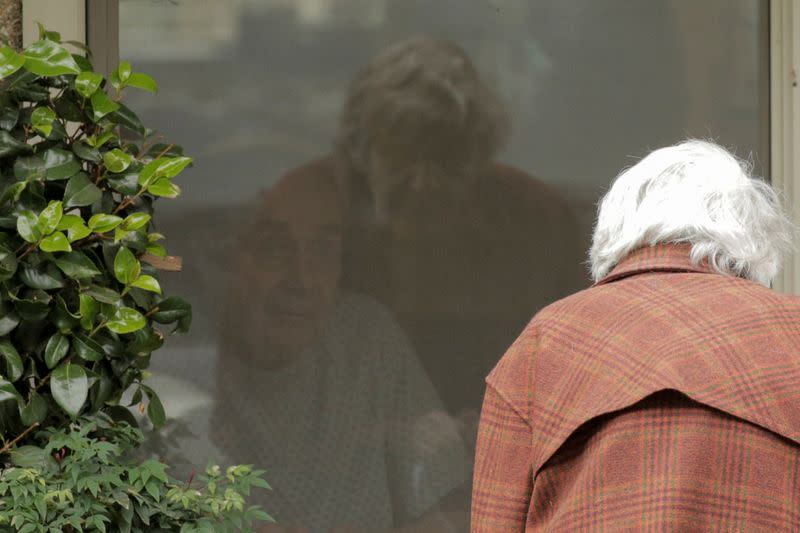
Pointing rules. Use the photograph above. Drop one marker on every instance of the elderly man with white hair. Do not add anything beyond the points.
(666, 397)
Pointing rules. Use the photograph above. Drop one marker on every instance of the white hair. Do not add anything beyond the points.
(694, 192)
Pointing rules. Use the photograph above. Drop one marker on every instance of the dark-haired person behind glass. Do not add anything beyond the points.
(461, 248)
(321, 388)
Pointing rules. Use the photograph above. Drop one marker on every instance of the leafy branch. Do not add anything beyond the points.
(81, 302)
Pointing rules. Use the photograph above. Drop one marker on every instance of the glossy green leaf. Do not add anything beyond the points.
(83, 150)
(124, 116)
(58, 132)
(120, 234)
(82, 61)
(50, 217)
(102, 223)
(34, 412)
(143, 299)
(119, 76)
(161, 149)
(75, 227)
(35, 306)
(9, 115)
(148, 174)
(63, 318)
(44, 34)
(126, 267)
(9, 319)
(87, 83)
(145, 341)
(147, 283)
(136, 221)
(126, 183)
(87, 348)
(142, 81)
(136, 399)
(8, 264)
(171, 310)
(113, 79)
(100, 139)
(68, 108)
(124, 71)
(126, 320)
(48, 58)
(155, 410)
(28, 227)
(69, 387)
(10, 146)
(156, 250)
(30, 168)
(163, 167)
(135, 240)
(173, 166)
(10, 61)
(81, 191)
(12, 362)
(116, 160)
(77, 265)
(88, 310)
(12, 193)
(32, 92)
(164, 188)
(42, 120)
(69, 221)
(8, 392)
(43, 276)
(56, 242)
(102, 105)
(78, 232)
(102, 391)
(56, 349)
(104, 294)
(60, 164)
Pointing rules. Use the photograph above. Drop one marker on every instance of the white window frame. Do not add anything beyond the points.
(95, 22)
(785, 122)
(67, 16)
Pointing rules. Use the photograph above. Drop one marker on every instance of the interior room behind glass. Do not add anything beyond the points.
(384, 193)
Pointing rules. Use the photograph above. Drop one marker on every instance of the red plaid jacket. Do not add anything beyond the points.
(664, 398)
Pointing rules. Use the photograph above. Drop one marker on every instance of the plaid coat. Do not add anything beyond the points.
(664, 398)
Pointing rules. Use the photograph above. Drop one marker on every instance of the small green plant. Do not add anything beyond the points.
(81, 306)
(85, 480)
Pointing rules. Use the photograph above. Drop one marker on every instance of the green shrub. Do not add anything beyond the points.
(81, 306)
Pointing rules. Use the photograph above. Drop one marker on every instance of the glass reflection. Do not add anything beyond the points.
(461, 248)
(320, 384)
(442, 192)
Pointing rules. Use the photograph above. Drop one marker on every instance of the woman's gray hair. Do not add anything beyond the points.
(427, 98)
(694, 192)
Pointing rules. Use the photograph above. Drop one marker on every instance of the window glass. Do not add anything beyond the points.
(384, 193)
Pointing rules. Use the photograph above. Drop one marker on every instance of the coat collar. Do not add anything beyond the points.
(668, 257)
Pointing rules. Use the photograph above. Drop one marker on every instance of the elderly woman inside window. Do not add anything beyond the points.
(462, 249)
